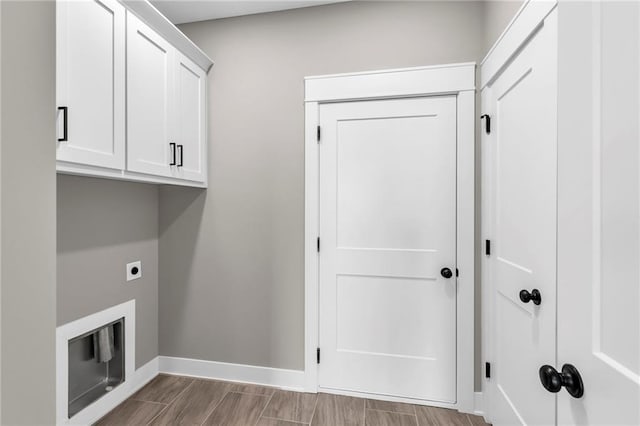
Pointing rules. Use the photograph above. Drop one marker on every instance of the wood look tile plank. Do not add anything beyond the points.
(238, 409)
(334, 410)
(387, 418)
(294, 406)
(267, 421)
(394, 407)
(433, 416)
(249, 388)
(163, 389)
(193, 405)
(477, 420)
(132, 413)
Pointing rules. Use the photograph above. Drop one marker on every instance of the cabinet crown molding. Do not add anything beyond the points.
(146, 12)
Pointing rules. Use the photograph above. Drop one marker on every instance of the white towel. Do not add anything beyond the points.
(103, 348)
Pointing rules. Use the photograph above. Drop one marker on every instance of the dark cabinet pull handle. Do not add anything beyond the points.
(534, 296)
(65, 123)
(181, 149)
(569, 378)
(172, 145)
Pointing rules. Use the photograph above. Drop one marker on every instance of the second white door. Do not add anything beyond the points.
(388, 244)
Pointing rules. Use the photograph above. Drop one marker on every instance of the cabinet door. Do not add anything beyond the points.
(190, 119)
(90, 82)
(150, 64)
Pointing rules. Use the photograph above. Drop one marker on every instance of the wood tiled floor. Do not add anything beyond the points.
(175, 400)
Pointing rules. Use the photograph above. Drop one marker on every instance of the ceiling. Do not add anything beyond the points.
(183, 11)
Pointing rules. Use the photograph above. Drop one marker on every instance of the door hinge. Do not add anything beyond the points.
(318, 133)
(487, 122)
(318, 355)
(318, 244)
(487, 247)
(487, 370)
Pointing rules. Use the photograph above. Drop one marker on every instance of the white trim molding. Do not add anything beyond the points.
(133, 379)
(160, 23)
(265, 376)
(478, 404)
(454, 79)
(528, 20)
(419, 81)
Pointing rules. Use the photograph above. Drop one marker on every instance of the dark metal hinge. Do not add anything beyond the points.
(318, 134)
(487, 370)
(318, 244)
(487, 122)
(318, 355)
(487, 247)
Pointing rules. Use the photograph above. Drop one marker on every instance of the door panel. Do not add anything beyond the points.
(90, 81)
(599, 213)
(190, 119)
(387, 227)
(149, 88)
(523, 146)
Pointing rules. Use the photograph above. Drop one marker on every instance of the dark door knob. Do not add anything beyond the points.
(446, 272)
(569, 378)
(534, 296)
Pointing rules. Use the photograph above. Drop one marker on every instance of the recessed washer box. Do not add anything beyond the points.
(134, 270)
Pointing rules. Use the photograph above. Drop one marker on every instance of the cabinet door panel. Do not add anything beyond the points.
(90, 82)
(149, 99)
(190, 119)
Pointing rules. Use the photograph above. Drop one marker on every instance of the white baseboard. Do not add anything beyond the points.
(102, 406)
(478, 404)
(145, 374)
(266, 376)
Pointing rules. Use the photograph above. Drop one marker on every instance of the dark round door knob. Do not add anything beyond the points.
(569, 378)
(446, 272)
(534, 296)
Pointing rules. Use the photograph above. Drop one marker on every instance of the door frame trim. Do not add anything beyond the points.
(453, 79)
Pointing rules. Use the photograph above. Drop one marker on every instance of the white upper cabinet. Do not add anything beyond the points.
(190, 119)
(149, 100)
(131, 95)
(91, 82)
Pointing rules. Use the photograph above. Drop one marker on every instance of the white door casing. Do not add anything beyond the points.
(599, 211)
(457, 82)
(150, 103)
(387, 227)
(522, 161)
(91, 82)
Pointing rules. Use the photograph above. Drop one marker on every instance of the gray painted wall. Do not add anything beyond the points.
(102, 226)
(497, 15)
(28, 197)
(231, 258)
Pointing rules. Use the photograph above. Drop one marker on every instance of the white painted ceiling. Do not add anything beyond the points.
(182, 11)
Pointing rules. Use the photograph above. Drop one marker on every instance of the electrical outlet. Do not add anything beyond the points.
(134, 270)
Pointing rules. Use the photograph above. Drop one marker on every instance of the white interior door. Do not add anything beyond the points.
(150, 123)
(91, 82)
(523, 159)
(387, 228)
(190, 118)
(599, 213)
